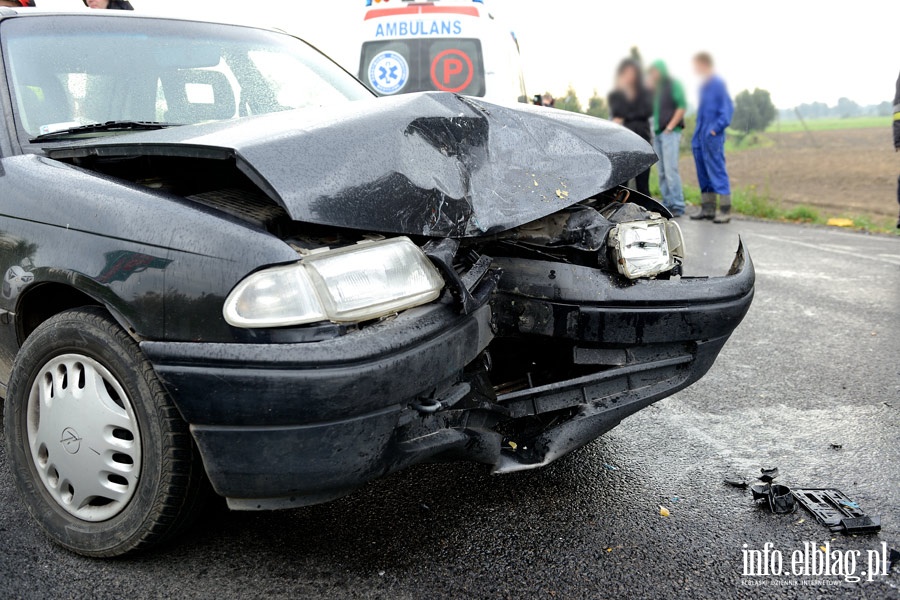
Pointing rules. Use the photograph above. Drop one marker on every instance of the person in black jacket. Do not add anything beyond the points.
(897, 135)
(110, 4)
(631, 106)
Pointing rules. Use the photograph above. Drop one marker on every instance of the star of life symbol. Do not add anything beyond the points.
(388, 72)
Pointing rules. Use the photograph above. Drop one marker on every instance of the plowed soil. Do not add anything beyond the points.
(850, 171)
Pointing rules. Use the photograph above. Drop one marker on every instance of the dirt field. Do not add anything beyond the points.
(845, 172)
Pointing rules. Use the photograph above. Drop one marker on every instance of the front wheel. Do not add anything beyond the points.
(101, 457)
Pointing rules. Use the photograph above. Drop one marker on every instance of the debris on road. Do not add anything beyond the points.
(893, 559)
(833, 509)
(741, 485)
(768, 475)
(840, 222)
(777, 497)
(663, 511)
(836, 446)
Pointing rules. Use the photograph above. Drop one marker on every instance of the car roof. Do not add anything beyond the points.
(76, 11)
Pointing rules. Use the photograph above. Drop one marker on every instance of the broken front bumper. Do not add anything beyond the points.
(294, 424)
(638, 343)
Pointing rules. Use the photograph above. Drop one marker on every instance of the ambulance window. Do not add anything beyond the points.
(419, 65)
(456, 66)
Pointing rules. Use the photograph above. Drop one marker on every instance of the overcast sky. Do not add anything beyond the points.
(801, 51)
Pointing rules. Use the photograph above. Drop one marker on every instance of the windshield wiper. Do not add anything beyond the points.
(103, 128)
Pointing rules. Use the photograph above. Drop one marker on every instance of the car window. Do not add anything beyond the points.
(68, 71)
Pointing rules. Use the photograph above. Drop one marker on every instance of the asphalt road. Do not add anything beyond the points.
(816, 362)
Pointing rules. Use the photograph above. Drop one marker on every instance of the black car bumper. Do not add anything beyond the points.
(632, 344)
(295, 424)
(303, 423)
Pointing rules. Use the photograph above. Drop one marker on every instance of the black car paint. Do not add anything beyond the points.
(70, 223)
(430, 164)
(393, 393)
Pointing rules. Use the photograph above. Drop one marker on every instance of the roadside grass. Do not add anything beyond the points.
(751, 202)
(803, 214)
(747, 201)
(877, 224)
(831, 124)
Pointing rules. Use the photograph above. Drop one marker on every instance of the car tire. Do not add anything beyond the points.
(122, 474)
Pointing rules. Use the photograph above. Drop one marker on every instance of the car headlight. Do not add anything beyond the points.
(646, 248)
(348, 285)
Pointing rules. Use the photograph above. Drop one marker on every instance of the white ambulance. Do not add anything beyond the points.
(439, 45)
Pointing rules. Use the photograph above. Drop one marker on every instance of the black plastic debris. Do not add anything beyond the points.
(833, 509)
(893, 559)
(836, 446)
(741, 485)
(777, 497)
(768, 475)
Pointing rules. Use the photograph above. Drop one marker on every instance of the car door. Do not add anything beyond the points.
(8, 243)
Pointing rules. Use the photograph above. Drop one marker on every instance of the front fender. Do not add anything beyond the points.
(149, 257)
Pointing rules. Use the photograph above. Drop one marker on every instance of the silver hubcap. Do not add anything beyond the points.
(83, 437)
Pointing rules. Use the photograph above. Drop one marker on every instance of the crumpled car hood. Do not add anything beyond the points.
(432, 164)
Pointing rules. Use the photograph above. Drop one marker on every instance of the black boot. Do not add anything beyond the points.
(724, 215)
(707, 208)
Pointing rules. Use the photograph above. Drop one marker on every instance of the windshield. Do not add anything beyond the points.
(70, 71)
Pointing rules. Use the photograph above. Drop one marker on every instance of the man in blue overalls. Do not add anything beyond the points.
(708, 144)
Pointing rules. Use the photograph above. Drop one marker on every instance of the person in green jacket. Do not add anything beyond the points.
(669, 106)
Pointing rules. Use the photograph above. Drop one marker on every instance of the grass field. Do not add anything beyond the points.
(832, 124)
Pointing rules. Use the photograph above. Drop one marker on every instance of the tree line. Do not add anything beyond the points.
(844, 109)
(596, 104)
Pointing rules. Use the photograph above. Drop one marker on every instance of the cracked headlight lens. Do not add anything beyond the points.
(646, 248)
(347, 285)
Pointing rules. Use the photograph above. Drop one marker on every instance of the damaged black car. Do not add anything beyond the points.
(228, 268)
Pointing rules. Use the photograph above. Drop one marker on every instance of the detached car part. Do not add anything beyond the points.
(833, 509)
(215, 275)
